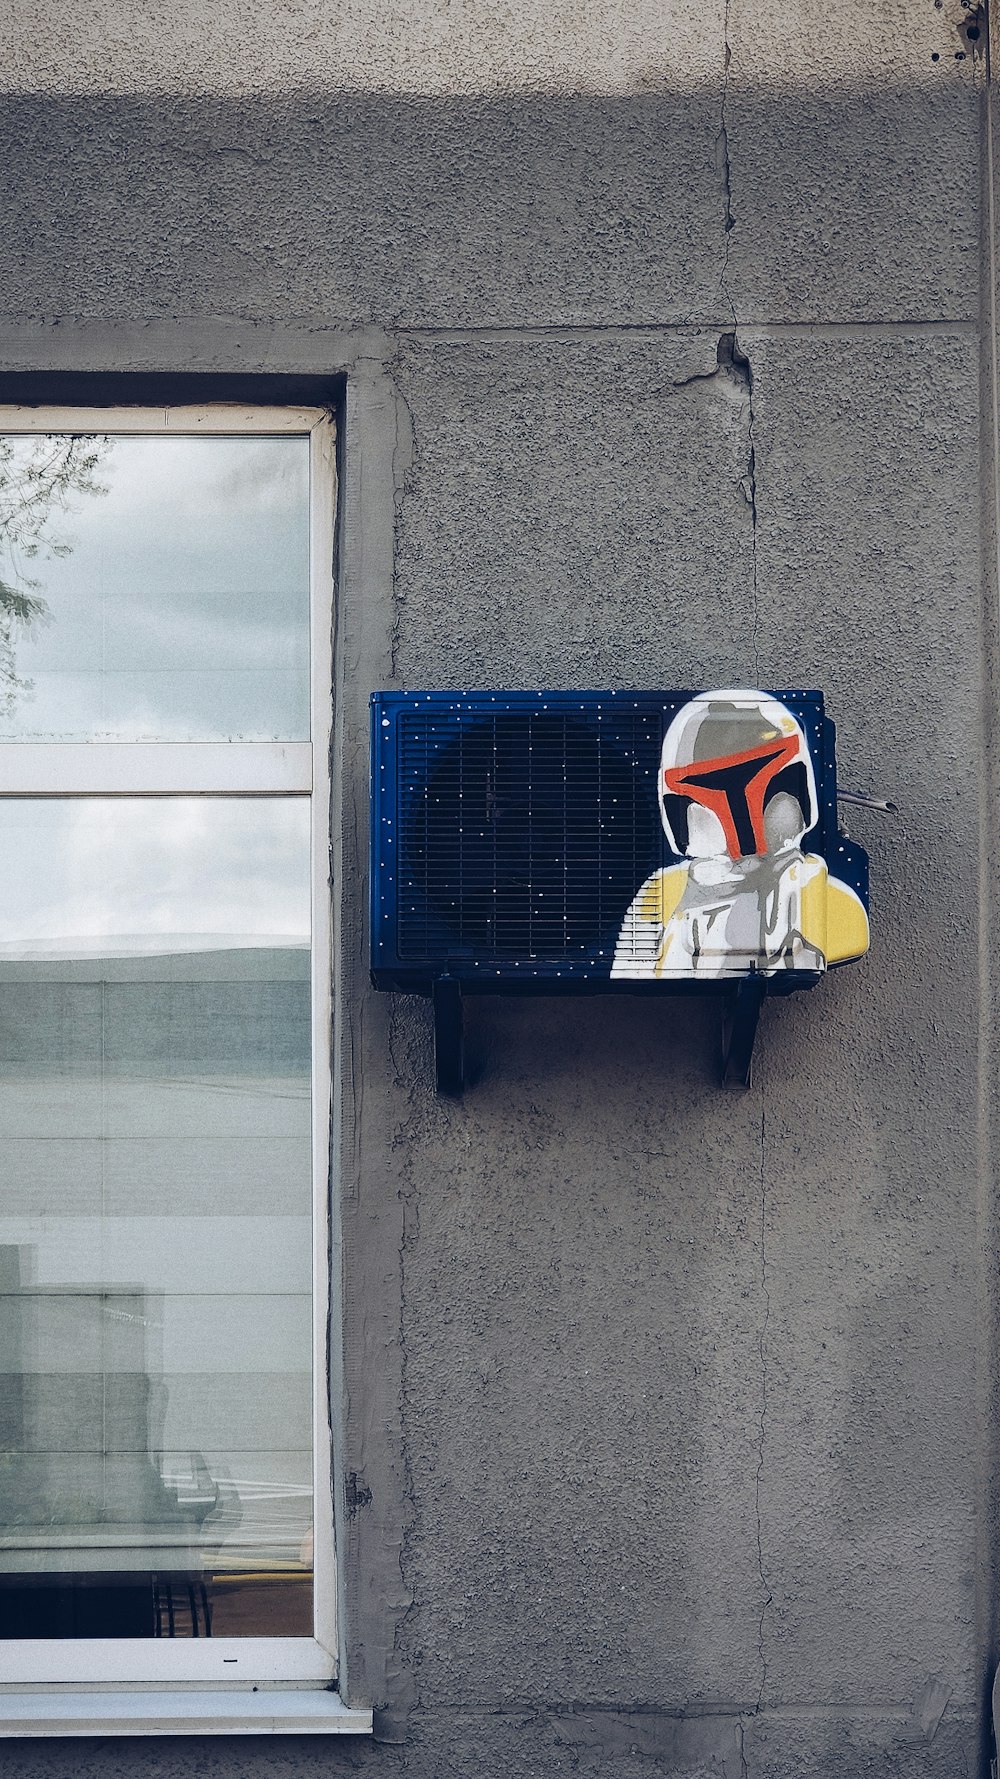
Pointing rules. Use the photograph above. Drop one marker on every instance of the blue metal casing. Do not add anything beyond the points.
(510, 830)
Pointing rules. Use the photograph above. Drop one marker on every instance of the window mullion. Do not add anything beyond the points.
(156, 769)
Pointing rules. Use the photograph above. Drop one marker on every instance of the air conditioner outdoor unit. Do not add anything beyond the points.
(596, 842)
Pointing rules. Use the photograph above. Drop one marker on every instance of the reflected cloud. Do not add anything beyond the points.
(177, 604)
(126, 876)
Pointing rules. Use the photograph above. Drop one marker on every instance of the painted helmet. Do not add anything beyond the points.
(735, 777)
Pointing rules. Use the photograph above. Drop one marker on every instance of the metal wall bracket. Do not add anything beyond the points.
(449, 1036)
(740, 1014)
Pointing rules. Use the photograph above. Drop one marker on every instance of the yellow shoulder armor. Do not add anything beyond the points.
(833, 917)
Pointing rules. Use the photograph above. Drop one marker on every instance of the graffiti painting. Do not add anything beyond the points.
(737, 796)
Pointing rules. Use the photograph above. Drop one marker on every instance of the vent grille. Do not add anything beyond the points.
(511, 832)
(525, 834)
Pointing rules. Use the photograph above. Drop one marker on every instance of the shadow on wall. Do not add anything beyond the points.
(446, 212)
(591, 1276)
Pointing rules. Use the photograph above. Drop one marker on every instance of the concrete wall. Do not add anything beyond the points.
(667, 1415)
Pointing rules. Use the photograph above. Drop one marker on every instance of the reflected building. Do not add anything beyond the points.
(95, 1541)
(155, 1456)
(156, 1310)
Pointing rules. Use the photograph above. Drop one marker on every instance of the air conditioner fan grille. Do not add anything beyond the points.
(524, 834)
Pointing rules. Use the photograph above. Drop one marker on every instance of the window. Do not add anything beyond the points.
(165, 623)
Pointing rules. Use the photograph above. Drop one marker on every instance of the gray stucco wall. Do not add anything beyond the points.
(666, 1416)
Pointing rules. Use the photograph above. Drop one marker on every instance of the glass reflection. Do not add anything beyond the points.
(154, 588)
(155, 1317)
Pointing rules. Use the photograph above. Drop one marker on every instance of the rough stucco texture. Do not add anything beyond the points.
(473, 165)
(605, 1246)
(665, 1399)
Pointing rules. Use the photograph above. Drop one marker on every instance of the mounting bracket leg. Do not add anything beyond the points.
(449, 1040)
(740, 1014)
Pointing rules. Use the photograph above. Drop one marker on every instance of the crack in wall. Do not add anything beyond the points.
(762, 1349)
(732, 361)
(403, 1695)
(704, 376)
(403, 455)
(738, 357)
(750, 490)
(406, 1696)
(722, 153)
(728, 363)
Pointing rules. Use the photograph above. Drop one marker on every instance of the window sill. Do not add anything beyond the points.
(279, 1712)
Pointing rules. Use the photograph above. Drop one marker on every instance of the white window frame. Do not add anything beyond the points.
(30, 769)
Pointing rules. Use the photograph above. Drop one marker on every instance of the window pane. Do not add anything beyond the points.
(154, 589)
(155, 1236)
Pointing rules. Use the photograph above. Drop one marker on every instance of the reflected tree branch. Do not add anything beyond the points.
(39, 478)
